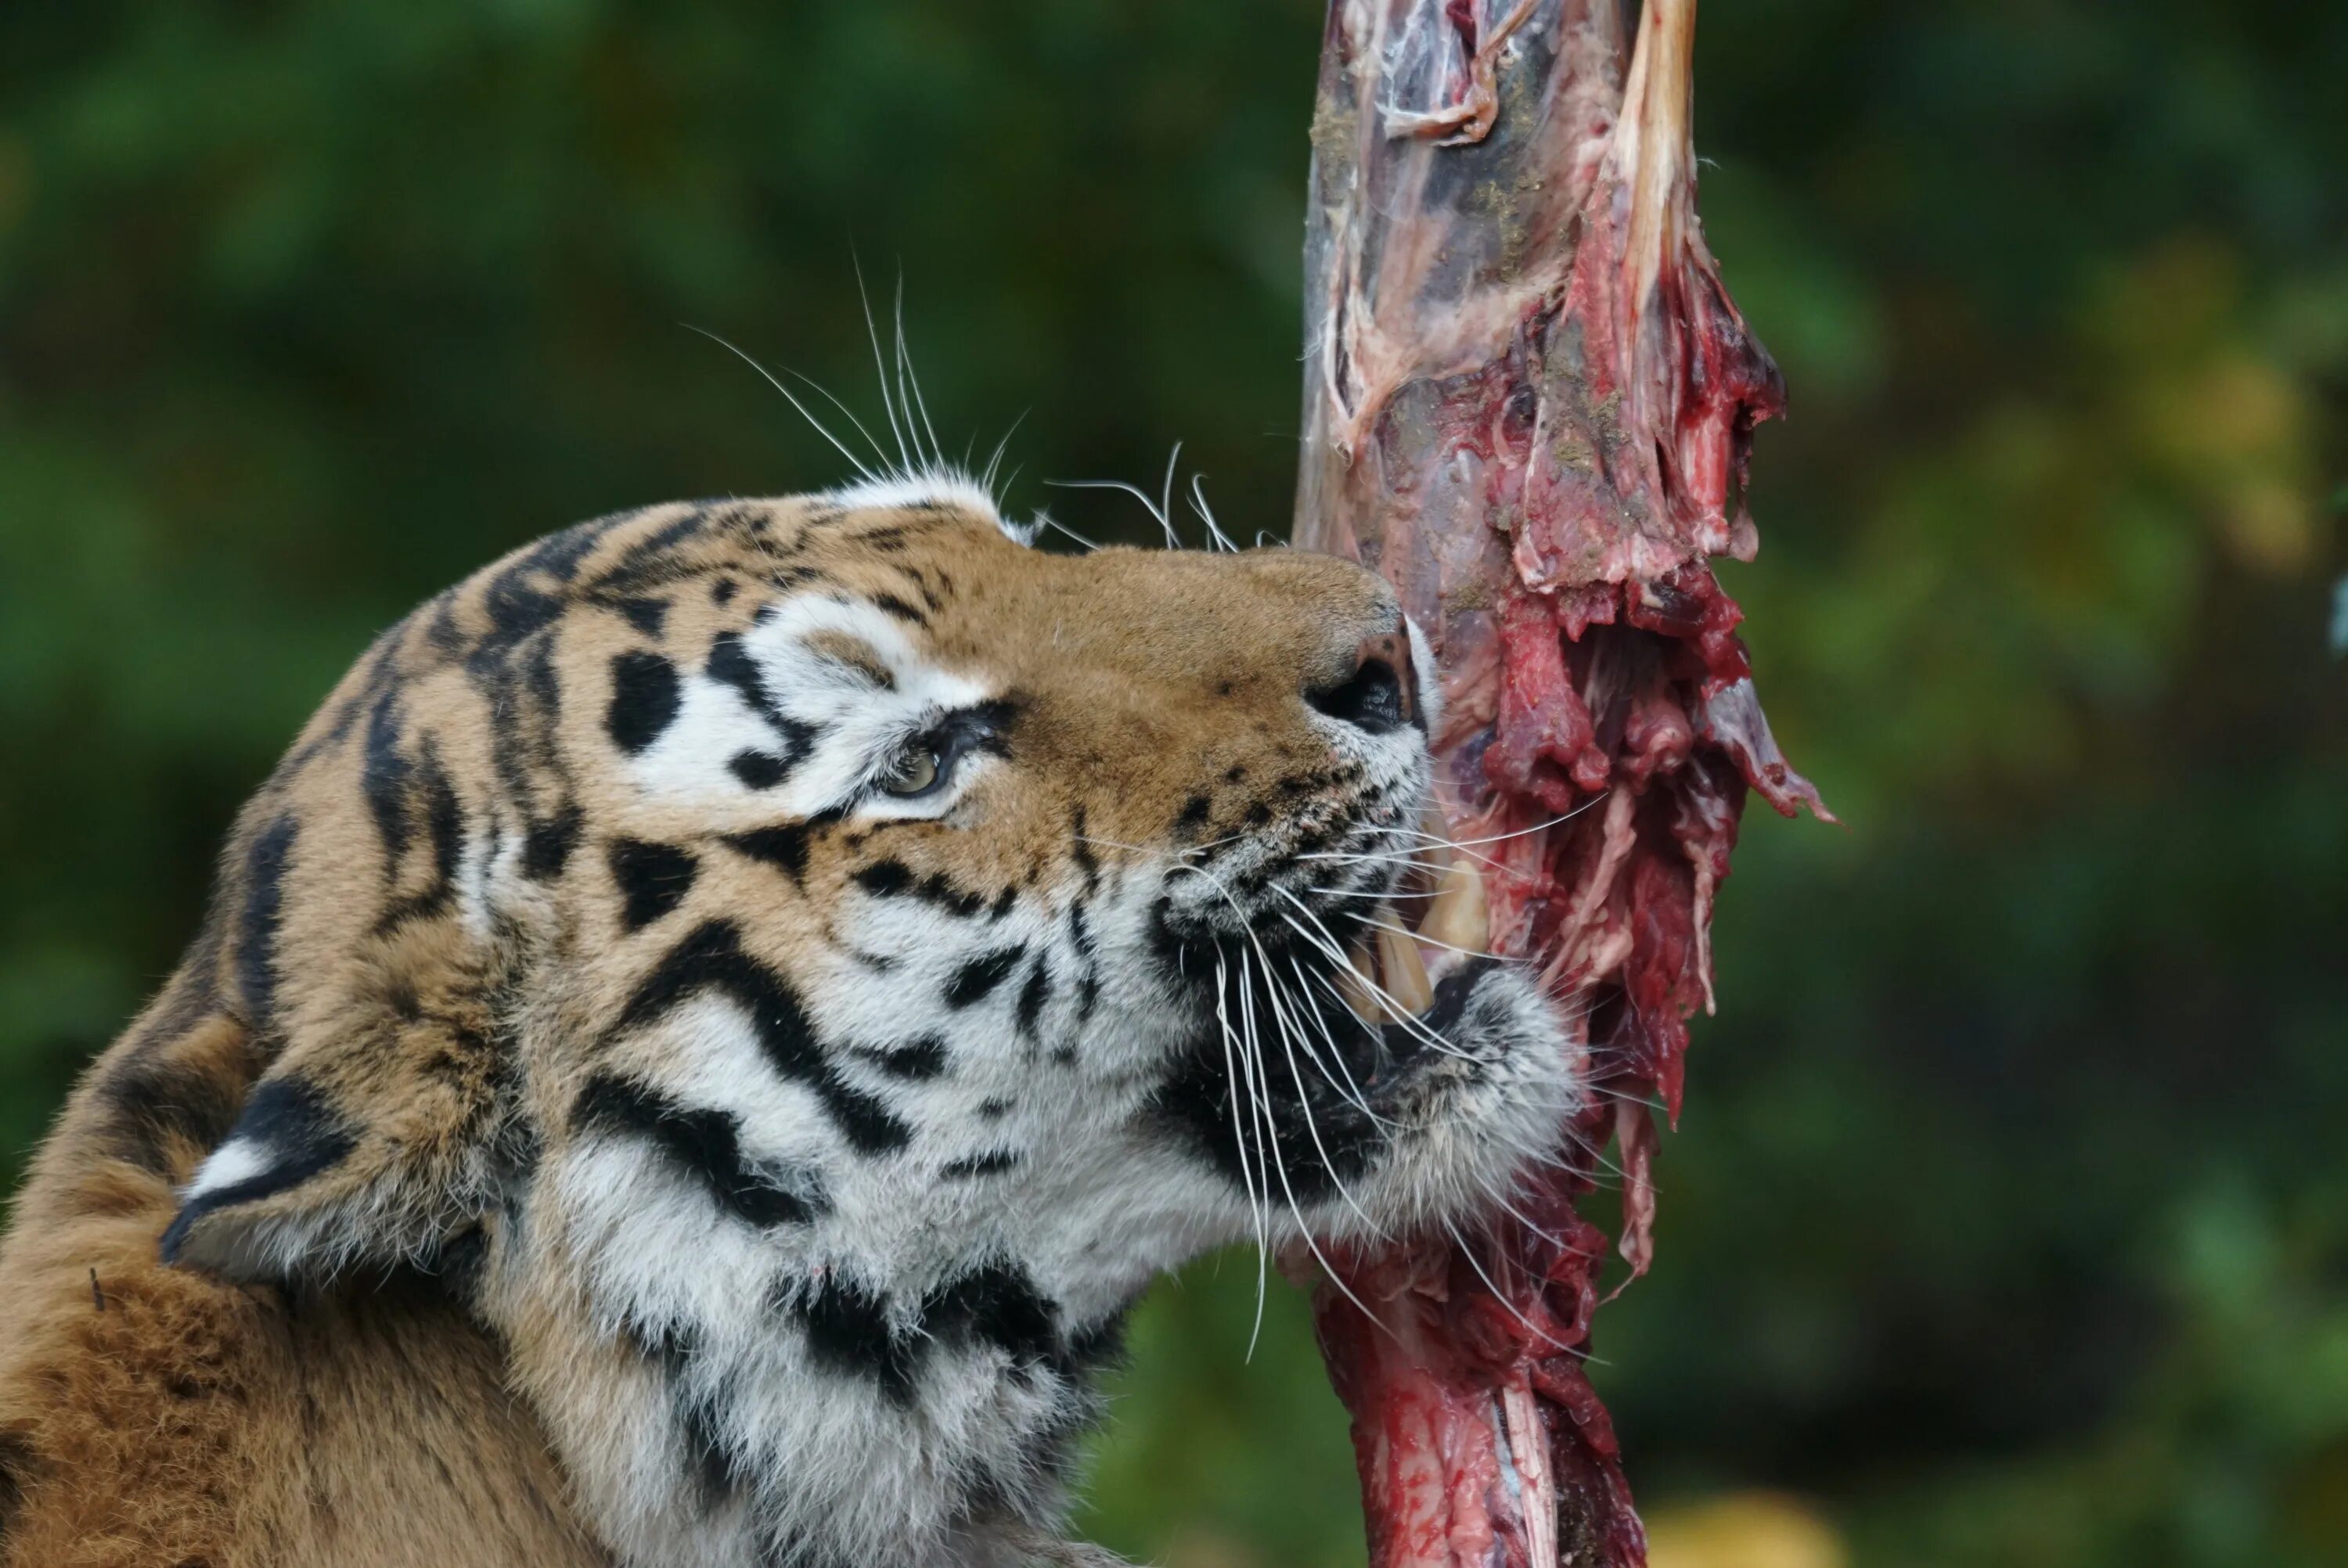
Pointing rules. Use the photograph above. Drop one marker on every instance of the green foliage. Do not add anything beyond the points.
(2007, 1222)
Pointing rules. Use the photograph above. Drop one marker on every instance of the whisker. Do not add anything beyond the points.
(908, 381)
(1401, 1015)
(1165, 523)
(1498, 1295)
(1500, 838)
(1289, 1033)
(1198, 504)
(1166, 493)
(837, 444)
(849, 413)
(1238, 1139)
(888, 404)
(1263, 1097)
(1263, 1103)
(995, 458)
(1360, 1100)
(1414, 936)
(1049, 521)
(1267, 1136)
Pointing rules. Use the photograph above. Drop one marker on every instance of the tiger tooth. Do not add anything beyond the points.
(1406, 981)
(1459, 916)
(1357, 986)
(1434, 851)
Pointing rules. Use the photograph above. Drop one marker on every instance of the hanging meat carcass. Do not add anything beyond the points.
(1528, 402)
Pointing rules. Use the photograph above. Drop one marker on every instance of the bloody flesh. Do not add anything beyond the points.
(1528, 403)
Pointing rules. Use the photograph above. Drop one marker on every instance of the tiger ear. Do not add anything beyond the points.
(369, 1138)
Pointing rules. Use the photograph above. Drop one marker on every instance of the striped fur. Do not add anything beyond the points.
(599, 1121)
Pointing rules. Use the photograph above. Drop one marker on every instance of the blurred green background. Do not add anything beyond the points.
(2008, 1222)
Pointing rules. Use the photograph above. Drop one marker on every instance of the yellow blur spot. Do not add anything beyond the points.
(1207, 1549)
(1743, 1530)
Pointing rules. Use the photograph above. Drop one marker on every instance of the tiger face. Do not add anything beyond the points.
(799, 969)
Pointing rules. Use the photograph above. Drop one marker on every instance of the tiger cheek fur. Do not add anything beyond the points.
(775, 979)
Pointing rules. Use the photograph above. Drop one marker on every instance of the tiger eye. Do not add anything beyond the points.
(915, 769)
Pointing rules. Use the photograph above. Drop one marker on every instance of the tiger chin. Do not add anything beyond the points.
(697, 1049)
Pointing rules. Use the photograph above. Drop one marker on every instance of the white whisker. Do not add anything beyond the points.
(888, 404)
(1238, 1139)
(1199, 505)
(804, 412)
(907, 381)
(1468, 1253)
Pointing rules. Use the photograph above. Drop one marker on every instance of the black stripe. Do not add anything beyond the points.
(710, 958)
(446, 638)
(759, 769)
(383, 772)
(972, 1166)
(915, 1061)
(650, 561)
(643, 700)
(667, 537)
(975, 979)
(784, 844)
(1192, 816)
(848, 1330)
(547, 846)
(653, 879)
(264, 901)
(900, 608)
(516, 607)
(291, 1122)
(647, 615)
(999, 1305)
(892, 878)
(444, 824)
(850, 1327)
(885, 878)
(1033, 996)
(700, 1411)
(1081, 848)
(730, 663)
(1080, 937)
(524, 745)
(153, 1102)
(707, 1144)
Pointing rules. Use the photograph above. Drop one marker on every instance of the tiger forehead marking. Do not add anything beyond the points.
(794, 971)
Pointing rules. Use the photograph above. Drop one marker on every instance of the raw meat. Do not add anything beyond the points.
(1528, 402)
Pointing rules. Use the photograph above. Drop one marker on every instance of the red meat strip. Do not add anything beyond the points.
(1528, 402)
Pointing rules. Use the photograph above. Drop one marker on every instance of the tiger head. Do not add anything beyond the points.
(800, 968)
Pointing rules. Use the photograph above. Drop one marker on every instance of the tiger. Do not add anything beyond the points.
(696, 1051)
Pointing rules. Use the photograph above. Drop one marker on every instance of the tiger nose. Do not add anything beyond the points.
(1382, 694)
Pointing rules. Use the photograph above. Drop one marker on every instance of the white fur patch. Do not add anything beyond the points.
(237, 1161)
(935, 486)
(850, 724)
